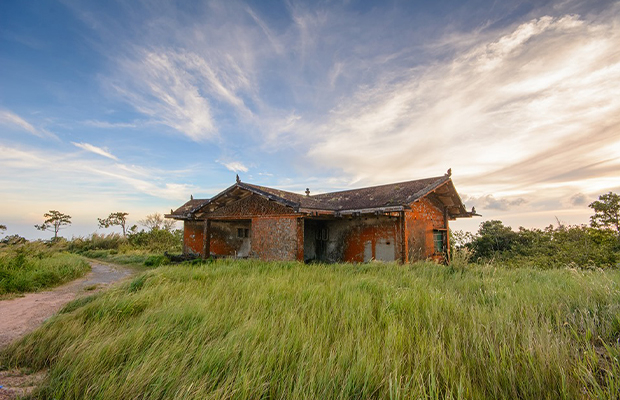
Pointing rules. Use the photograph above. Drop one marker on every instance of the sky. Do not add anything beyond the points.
(134, 106)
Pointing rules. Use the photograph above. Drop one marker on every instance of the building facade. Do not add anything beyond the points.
(405, 222)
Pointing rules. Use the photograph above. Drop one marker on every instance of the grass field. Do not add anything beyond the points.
(256, 330)
(32, 268)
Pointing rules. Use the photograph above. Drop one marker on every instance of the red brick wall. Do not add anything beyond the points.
(420, 222)
(193, 237)
(379, 232)
(278, 238)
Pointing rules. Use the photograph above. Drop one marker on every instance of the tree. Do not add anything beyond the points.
(156, 222)
(606, 212)
(114, 219)
(492, 237)
(2, 227)
(55, 220)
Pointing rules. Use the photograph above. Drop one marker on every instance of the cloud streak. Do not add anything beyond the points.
(9, 118)
(95, 150)
(71, 172)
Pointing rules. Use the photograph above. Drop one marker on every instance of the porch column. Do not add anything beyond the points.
(403, 239)
(300, 239)
(206, 239)
(447, 238)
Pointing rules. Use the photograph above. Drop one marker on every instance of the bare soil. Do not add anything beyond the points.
(21, 315)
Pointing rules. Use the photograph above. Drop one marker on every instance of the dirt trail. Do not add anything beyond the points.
(22, 315)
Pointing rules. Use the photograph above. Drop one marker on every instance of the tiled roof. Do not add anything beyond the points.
(393, 194)
(375, 197)
(187, 208)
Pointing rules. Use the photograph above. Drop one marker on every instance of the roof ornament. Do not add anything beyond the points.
(238, 180)
(191, 197)
(307, 192)
(473, 210)
(449, 173)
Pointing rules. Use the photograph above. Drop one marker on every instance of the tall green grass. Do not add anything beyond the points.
(33, 266)
(256, 330)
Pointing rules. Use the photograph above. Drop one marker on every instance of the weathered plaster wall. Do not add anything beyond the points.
(359, 239)
(278, 238)
(224, 239)
(193, 235)
(420, 222)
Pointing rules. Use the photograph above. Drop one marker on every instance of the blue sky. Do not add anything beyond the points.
(133, 106)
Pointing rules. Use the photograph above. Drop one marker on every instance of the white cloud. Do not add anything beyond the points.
(9, 118)
(235, 166)
(95, 149)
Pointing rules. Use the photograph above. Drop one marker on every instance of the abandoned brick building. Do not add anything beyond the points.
(405, 221)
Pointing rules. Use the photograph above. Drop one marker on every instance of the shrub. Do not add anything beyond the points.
(30, 268)
(576, 246)
(97, 241)
(158, 240)
(156, 261)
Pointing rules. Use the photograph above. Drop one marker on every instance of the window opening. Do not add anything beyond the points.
(322, 234)
(439, 240)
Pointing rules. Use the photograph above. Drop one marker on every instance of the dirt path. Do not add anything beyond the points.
(24, 314)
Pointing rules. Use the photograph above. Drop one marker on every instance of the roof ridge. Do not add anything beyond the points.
(379, 186)
(271, 188)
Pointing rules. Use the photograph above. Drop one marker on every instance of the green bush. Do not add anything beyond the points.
(564, 246)
(156, 261)
(32, 267)
(157, 240)
(96, 241)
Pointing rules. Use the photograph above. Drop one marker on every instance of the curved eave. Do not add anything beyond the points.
(444, 192)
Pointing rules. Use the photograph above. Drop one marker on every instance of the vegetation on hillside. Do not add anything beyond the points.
(29, 267)
(594, 246)
(250, 329)
(552, 247)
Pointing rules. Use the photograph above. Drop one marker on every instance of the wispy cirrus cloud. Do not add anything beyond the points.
(534, 108)
(157, 86)
(9, 118)
(96, 150)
